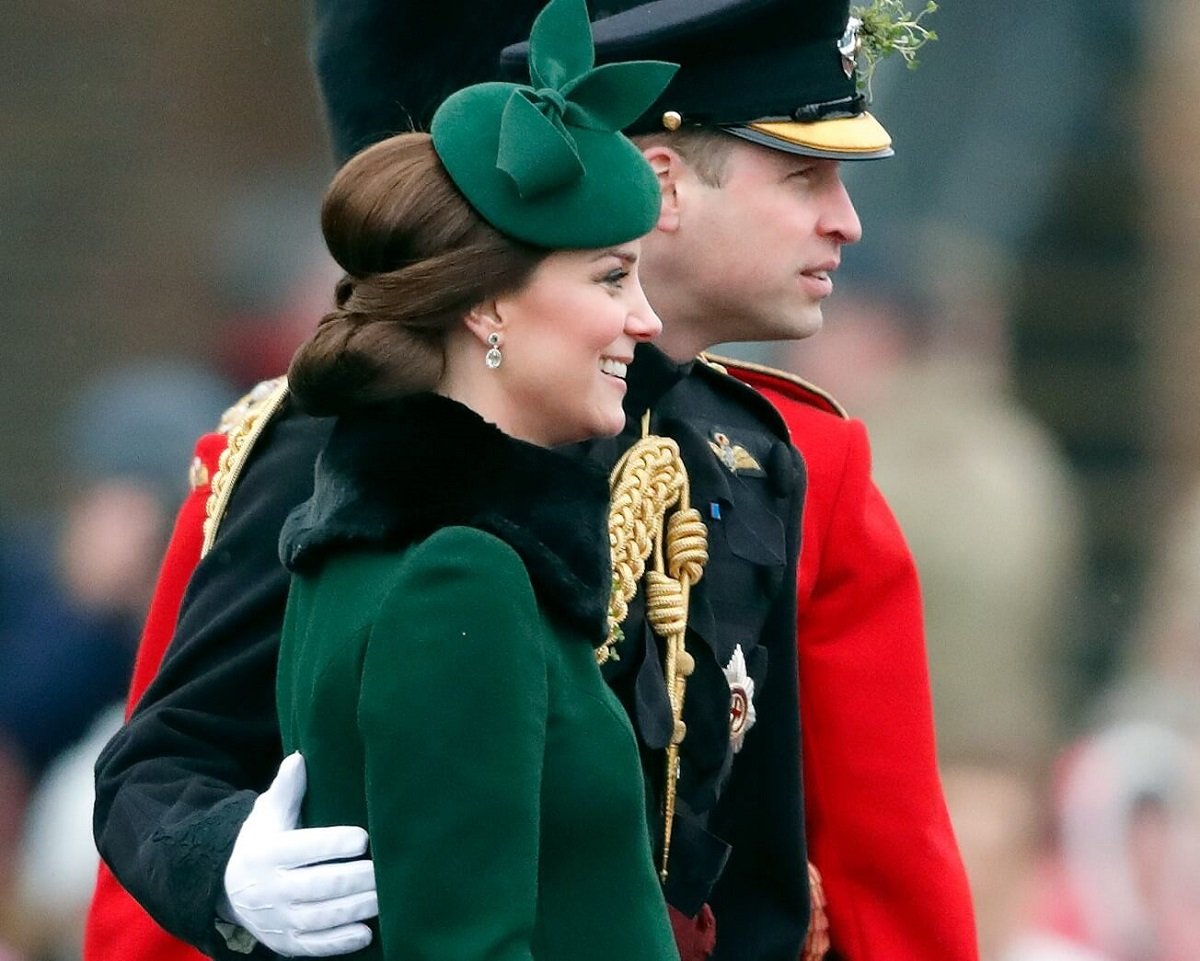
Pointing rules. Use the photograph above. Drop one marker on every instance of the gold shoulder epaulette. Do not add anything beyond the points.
(242, 424)
(812, 390)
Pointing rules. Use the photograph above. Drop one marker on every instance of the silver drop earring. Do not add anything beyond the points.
(493, 357)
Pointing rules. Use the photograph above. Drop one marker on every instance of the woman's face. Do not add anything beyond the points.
(567, 337)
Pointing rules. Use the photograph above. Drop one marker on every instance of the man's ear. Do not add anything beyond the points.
(670, 169)
(483, 320)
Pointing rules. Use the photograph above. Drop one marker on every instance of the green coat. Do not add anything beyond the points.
(440, 680)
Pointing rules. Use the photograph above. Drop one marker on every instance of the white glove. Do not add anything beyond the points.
(278, 886)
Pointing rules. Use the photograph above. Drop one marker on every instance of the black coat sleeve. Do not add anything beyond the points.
(175, 784)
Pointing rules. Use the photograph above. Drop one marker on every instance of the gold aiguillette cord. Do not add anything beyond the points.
(649, 483)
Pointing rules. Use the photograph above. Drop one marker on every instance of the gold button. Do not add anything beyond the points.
(672, 120)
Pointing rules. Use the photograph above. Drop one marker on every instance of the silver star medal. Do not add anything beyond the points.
(741, 699)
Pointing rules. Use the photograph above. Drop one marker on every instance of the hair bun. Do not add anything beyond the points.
(416, 258)
(354, 361)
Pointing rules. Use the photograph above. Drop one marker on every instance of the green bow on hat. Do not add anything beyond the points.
(547, 163)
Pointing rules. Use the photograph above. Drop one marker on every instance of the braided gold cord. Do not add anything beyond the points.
(221, 479)
(666, 609)
(647, 483)
(687, 545)
(686, 555)
(242, 424)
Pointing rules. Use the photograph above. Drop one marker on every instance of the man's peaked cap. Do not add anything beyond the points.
(778, 72)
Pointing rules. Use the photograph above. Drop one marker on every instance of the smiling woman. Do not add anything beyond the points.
(429, 285)
(568, 334)
(417, 259)
(450, 566)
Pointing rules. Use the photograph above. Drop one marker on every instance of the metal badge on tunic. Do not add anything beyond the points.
(735, 457)
(741, 699)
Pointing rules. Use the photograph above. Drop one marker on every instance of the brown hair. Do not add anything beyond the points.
(417, 258)
(706, 150)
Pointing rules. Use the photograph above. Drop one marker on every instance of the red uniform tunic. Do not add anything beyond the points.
(877, 825)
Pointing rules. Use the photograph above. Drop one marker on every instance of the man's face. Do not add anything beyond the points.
(761, 248)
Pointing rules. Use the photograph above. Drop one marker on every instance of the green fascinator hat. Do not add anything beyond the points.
(547, 163)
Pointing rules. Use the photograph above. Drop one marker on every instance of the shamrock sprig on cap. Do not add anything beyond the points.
(886, 27)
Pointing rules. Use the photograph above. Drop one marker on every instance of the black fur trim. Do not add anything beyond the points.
(393, 474)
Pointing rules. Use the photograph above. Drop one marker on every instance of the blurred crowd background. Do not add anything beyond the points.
(1020, 330)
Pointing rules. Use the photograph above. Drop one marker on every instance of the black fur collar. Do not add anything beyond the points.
(393, 474)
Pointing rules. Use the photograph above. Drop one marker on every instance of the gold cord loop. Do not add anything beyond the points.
(242, 423)
(687, 545)
(665, 606)
(647, 483)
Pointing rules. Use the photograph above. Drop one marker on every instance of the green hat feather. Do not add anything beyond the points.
(547, 163)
